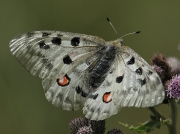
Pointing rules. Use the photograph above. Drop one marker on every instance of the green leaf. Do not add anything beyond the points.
(148, 126)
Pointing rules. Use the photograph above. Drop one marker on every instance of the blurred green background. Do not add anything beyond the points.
(23, 106)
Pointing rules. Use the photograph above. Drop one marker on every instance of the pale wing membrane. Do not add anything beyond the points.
(51, 55)
(40, 51)
(68, 97)
(65, 97)
(96, 106)
(136, 83)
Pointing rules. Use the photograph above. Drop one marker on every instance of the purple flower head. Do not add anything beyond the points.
(86, 126)
(85, 130)
(161, 66)
(158, 69)
(173, 87)
(77, 123)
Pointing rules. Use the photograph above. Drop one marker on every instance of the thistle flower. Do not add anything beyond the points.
(161, 66)
(85, 130)
(98, 126)
(158, 69)
(77, 123)
(115, 131)
(173, 87)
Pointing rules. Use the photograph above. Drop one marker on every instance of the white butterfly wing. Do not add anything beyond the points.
(61, 59)
(42, 52)
(99, 104)
(137, 84)
(131, 81)
(73, 95)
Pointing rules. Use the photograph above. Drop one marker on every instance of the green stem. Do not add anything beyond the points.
(174, 111)
(158, 115)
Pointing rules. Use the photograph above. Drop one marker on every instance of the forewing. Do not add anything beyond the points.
(43, 53)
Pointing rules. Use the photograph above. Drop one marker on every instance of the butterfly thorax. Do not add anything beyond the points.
(99, 72)
(115, 43)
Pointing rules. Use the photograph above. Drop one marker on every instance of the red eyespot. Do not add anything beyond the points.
(63, 81)
(107, 97)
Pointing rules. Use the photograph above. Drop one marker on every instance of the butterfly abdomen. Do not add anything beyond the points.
(102, 67)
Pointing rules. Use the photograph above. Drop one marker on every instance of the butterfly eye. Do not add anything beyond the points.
(63, 81)
(107, 97)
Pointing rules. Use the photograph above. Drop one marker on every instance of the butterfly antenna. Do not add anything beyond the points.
(121, 38)
(112, 25)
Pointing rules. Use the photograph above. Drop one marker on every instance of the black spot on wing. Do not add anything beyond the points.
(81, 92)
(139, 71)
(142, 82)
(93, 96)
(45, 34)
(131, 61)
(67, 60)
(42, 45)
(119, 79)
(78, 90)
(84, 94)
(75, 41)
(56, 41)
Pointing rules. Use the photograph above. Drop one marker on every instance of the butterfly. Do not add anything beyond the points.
(79, 70)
